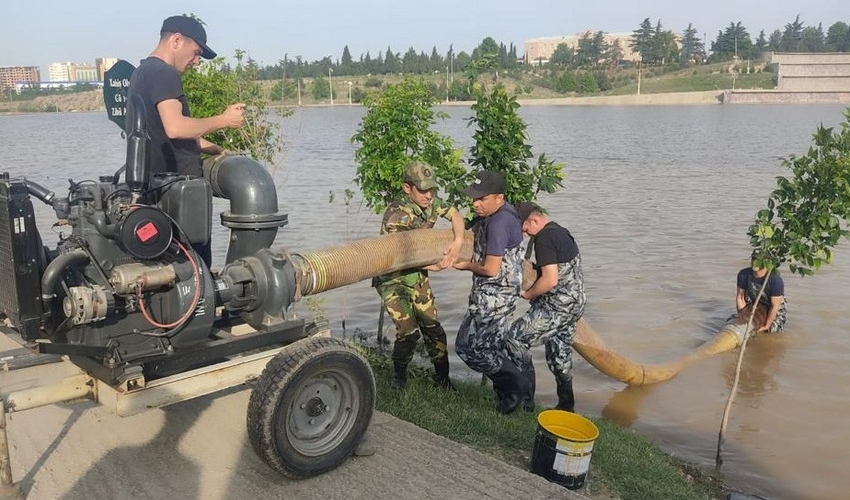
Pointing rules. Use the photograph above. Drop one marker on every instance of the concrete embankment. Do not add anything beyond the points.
(783, 97)
(668, 98)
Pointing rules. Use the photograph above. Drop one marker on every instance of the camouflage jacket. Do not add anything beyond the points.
(403, 215)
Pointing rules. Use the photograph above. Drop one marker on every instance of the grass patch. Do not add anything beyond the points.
(623, 464)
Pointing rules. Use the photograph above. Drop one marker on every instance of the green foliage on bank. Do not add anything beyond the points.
(398, 129)
(213, 86)
(622, 462)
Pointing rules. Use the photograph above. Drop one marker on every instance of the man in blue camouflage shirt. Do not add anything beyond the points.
(496, 268)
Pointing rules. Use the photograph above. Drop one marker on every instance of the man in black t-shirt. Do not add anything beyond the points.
(750, 281)
(177, 139)
(557, 300)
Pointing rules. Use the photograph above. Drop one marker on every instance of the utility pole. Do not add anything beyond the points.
(447, 84)
(283, 78)
(349, 92)
(638, 89)
(331, 84)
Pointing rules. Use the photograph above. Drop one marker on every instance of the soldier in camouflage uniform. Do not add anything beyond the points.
(407, 294)
(557, 299)
(496, 267)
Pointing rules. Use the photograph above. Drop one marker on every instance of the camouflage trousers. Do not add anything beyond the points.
(548, 327)
(551, 321)
(480, 339)
(413, 313)
(781, 317)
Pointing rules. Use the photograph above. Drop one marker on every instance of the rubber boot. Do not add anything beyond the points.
(399, 376)
(566, 398)
(528, 372)
(510, 383)
(441, 375)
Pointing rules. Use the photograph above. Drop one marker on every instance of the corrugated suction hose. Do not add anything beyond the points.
(367, 258)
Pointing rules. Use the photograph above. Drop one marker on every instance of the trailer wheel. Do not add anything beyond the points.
(311, 407)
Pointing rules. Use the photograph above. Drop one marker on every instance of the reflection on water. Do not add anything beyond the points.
(659, 200)
(762, 357)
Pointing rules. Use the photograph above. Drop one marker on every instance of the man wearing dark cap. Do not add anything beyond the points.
(407, 294)
(177, 139)
(750, 282)
(557, 300)
(496, 268)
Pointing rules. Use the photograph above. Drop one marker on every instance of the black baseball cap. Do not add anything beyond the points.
(526, 208)
(486, 182)
(189, 27)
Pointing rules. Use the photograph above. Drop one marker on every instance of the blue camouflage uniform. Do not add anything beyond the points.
(482, 334)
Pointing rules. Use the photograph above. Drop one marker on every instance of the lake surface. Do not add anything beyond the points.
(659, 200)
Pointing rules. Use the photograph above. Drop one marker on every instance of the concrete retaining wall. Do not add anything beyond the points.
(808, 72)
(782, 97)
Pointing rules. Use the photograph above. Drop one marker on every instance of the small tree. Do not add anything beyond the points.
(320, 89)
(500, 144)
(397, 130)
(213, 86)
(806, 214)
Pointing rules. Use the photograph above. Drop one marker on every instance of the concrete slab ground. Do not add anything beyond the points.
(198, 449)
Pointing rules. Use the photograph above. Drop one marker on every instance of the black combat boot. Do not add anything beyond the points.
(566, 399)
(399, 376)
(441, 375)
(510, 386)
(528, 372)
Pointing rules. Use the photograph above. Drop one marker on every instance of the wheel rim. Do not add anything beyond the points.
(323, 412)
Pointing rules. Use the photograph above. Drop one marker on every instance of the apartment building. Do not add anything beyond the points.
(103, 64)
(80, 72)
(10, 75)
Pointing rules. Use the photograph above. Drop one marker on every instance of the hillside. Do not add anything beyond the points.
(529, 86)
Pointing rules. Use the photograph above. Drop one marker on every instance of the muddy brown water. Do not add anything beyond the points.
(659, 199)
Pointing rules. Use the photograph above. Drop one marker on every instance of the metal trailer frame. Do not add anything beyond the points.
(132, 396)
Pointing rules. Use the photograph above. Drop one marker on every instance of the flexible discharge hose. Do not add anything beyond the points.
(359, 260)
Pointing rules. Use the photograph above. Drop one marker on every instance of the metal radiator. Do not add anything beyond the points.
(21, 259)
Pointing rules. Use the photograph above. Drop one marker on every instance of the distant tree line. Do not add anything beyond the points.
(658, 46)
(389, 62)
(655, 45)
(582, 68)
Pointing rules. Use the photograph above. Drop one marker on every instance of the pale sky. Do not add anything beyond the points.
(40, 32)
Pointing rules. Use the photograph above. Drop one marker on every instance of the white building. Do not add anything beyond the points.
(60, 72)
(539, 50)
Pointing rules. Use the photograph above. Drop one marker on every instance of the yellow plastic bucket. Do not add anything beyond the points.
(562, 447)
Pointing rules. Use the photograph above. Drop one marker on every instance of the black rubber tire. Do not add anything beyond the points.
(311, 407)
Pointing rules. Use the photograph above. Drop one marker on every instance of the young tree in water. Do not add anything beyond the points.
(501, 144)
(397, 130)
(807, 213)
